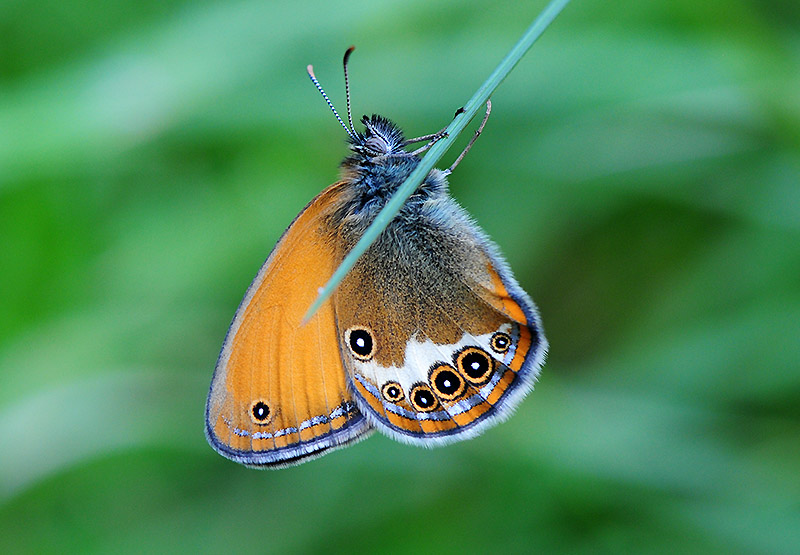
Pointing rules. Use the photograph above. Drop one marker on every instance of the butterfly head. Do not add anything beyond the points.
(381, 138)
(378, 163)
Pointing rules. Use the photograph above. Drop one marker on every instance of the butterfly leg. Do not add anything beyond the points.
(433, 137)
(477, 134)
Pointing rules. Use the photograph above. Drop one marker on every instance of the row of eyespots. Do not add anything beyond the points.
(446, 383)
(362, 345)
(471, 365)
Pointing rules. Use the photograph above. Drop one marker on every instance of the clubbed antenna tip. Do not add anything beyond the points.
(310, 70)
(347, 87)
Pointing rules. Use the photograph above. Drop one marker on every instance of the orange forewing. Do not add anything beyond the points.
(295, 372)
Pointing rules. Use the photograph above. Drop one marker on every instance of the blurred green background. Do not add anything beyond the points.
(640, 171)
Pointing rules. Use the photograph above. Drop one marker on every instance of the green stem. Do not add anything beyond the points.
(437, 150)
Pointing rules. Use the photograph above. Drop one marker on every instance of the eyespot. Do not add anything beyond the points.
(422, 398)
(392, 392)
(500, 342)
(475, 365)
(260, 413)
(360, 342)
(446, 382)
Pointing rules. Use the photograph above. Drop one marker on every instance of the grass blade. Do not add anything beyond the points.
(438, 150)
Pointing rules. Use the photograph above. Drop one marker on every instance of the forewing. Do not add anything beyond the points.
(279, 394)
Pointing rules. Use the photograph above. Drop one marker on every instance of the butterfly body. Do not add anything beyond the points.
(428, 339)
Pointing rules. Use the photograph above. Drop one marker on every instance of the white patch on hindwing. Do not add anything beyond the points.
(420, 356)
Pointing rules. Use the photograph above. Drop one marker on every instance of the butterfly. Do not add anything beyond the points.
(429, 339)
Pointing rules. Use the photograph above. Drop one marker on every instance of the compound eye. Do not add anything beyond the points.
(377, 145)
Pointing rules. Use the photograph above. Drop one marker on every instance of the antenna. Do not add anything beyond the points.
(347, 86)
(310, 70)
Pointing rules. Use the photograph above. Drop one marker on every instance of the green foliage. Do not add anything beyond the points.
(641, 171)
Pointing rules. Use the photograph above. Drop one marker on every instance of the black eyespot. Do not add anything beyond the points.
(500, 342)
(392, 392)
(360, 342)
(261, 412)
(422, 398)
(446, 382)
(475, 364)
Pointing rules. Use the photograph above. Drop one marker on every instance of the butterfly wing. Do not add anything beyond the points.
(438, 339)
(279, 394)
